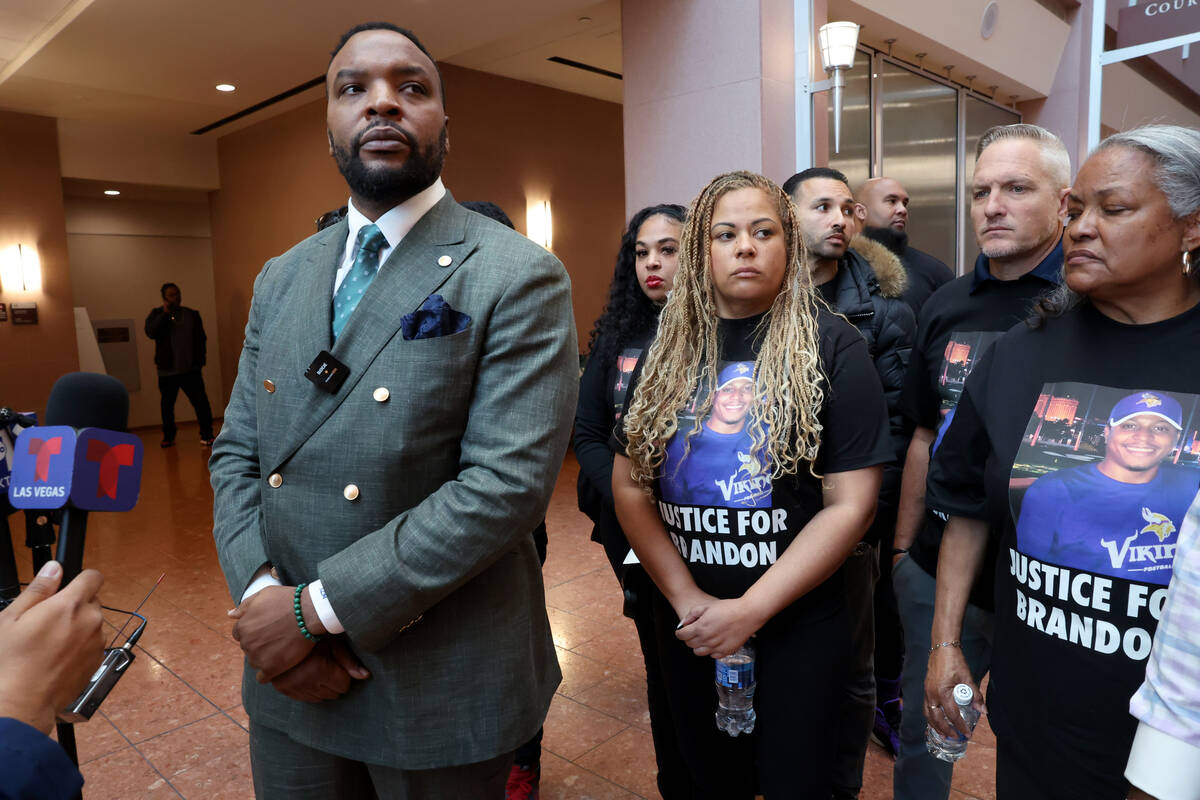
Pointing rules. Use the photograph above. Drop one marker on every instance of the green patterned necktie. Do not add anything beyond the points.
(366, 263)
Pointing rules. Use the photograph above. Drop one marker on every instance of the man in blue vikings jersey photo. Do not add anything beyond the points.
(715, 471)
(1133, 532)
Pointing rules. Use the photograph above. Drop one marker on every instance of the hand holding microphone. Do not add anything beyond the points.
(50, 644)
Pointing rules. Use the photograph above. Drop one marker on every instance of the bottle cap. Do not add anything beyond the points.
(963, 694)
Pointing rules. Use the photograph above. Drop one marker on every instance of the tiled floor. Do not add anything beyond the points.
(174, 726)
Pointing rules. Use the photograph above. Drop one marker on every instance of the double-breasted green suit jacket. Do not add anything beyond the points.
(453, 444)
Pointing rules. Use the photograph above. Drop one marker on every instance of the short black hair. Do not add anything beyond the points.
(792, 183)
(165, 286)
(387, 26)
(490, 210)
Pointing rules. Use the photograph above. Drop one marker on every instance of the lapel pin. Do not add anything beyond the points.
(445, 261)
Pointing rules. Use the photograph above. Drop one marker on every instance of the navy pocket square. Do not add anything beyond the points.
(434, 318)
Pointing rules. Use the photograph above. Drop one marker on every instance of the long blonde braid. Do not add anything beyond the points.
(789, 381)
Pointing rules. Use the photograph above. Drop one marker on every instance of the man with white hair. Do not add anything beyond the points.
(1021, 174)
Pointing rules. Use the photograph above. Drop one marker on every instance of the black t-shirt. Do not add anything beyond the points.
(602, 390)
(926, 274)
(729, 524)
(956, 325)
(828, 291)
(1077, 442)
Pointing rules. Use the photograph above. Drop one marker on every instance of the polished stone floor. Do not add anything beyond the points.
(174, 726)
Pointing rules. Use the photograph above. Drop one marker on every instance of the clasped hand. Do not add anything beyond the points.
(295, 665)
(716, 628)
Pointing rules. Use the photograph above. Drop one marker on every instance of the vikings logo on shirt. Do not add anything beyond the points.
(1159, 525)
(1154, 552)
(1104, 477)
(714, 467)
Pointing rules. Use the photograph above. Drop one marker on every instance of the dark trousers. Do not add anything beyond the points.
(530, 754)
(788, 754)
(857, 697)
(673, 780)
(192, 384)
(284, 768)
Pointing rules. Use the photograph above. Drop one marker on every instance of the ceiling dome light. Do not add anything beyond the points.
(111, 192)
(225, 87)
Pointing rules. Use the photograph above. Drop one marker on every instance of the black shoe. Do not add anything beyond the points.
(167, 443)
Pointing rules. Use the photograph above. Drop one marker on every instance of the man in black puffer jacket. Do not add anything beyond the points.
(865, 285)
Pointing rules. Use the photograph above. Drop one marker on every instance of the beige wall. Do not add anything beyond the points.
(122, 251)
(32, 357)
(1024, 47)
(703, 98)
(131, 154)
(509, 141)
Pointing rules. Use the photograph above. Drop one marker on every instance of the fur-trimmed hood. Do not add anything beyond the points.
(893, 279)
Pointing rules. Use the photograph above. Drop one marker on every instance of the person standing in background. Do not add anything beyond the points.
(179, 354)
(867, 288)
(642, 278)
(1021, 173)
(886, 203)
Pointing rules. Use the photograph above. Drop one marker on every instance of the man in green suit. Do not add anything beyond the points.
(372, 516)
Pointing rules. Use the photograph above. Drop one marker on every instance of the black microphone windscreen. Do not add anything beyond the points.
(88, 400)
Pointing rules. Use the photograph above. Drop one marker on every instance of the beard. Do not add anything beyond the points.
(896, 241)
(391, 186)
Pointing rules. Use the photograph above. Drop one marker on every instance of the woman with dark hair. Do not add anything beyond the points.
(1075, 439)
(643, 276)
(750, 467)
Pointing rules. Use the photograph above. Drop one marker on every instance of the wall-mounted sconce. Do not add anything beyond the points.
(538, 225)
(838, 41)
(20, 269)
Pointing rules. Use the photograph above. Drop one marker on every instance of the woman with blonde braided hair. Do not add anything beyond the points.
(757, 426)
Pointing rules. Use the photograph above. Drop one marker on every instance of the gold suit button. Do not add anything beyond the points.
(445, 261)
(350, 492)
(381, 394)
(269, 385)
(276, 480)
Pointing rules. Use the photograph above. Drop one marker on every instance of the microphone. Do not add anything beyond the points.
(95, 468)
(88, 400)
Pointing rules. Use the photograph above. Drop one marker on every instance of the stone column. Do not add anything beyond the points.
(708, 88)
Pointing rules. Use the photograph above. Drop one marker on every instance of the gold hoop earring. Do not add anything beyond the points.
(1187, 263)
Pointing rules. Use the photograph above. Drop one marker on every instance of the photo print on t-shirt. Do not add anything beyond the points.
(714, 468)
(716, 507)
(962, 353)
(1104, 477)
(626, 362)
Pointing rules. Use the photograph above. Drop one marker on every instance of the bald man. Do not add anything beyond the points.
(886, 204)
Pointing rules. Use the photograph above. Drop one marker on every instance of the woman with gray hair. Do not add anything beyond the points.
(1097, 399)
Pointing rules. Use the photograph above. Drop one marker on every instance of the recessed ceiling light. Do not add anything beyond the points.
(225, 87)
(585, 20)
(111, 192)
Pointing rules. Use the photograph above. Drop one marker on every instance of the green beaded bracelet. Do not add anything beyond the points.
(300, 614)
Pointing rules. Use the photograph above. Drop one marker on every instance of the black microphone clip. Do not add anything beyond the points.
(327, 373)
(116, 662)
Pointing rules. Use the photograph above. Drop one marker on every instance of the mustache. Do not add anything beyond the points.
(404, 134)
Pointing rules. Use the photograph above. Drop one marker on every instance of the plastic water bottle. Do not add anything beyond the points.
(953, 748)
(735, 691)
